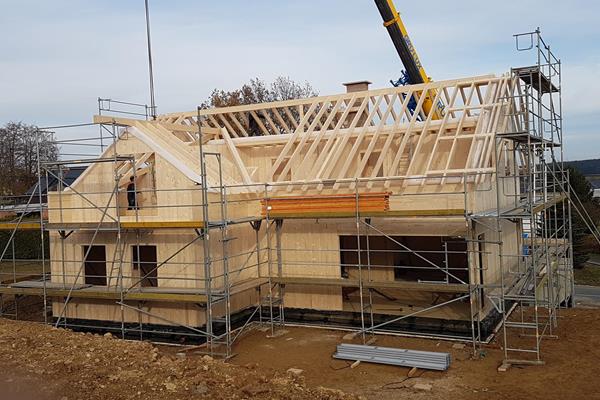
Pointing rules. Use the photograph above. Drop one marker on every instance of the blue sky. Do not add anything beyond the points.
(58, 56)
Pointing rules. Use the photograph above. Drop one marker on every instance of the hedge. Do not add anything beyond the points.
(26, 244)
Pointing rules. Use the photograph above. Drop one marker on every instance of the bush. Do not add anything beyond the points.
(27, 245)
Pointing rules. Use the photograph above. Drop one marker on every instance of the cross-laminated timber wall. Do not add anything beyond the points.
(433, 174)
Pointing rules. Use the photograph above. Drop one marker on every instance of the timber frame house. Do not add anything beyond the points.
(355, 210)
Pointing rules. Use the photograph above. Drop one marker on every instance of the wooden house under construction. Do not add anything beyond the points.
(356, 210)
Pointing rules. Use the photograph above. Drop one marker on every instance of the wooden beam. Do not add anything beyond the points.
(104, 293)
(341, 282)
(72, 226)
(299, 102)
(9, 226)
(108, 120)
(236, 157)
(392, 213)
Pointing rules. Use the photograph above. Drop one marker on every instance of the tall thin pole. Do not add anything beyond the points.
(150, 70)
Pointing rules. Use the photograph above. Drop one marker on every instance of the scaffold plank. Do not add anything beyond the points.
(102, 293)
(341, 282)
(124, 225)
(83, 291)
(9, 226)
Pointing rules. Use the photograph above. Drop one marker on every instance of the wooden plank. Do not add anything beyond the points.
(260, 124)
(367, 202)
(439, 133)
(388, 142)
(341, 282)
(9, 226)
(315, 143)
(159, 145)
(278, 117)
(331, 156)
(284, 152)
(236, 121)
(74, 226)
(303, 138)
(406, 138)
(236, 157)
(161, 224)
(299, 102)
(227, 126)
(373, 141)
(98, 293)
(466, 112)
(105, 119)
(392, 213)
(350, 158)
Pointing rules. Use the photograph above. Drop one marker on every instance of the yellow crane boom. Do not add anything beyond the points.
(415, 73)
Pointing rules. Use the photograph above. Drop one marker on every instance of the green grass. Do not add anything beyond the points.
(588, 275)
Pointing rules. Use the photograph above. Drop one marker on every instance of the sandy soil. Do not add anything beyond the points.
(571, 371)
(39, 362)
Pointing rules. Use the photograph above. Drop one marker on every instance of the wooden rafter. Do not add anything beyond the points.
(337, 139)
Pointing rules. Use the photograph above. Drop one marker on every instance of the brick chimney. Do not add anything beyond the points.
(357, 86)
(352, 87)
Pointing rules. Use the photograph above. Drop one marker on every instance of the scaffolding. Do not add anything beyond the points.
(530, 296)
(523, 304)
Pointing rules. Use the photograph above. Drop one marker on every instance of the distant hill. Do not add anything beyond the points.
(590, 169)
(586, 167)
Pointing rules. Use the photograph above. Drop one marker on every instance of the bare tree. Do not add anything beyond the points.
(257, 91)
(19, 156)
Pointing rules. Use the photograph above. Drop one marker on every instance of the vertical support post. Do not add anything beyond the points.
(61, 219)
(269, 258)
(117, 212)
(446, 278)
(14, 259)
(42, 235)
(278, 226)
(224, 228)
(206, 237)
(369, 277)
(472, 271)
(256, 226)
(358, 248)
(500, 248)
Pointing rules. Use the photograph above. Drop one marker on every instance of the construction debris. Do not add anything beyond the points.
(278, 333)
(400, 357)
(295, 371)
(503, 367)
(423, 386)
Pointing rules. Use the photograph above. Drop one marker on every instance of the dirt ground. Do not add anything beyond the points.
(39, 362)
(571, 371)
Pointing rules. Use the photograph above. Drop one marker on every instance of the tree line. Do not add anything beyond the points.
(19, 143)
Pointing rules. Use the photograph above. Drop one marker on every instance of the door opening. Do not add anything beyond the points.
(144, 261)
(95, 265)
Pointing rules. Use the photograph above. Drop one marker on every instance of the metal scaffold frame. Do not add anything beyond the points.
(542, 208)
(525, 302)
